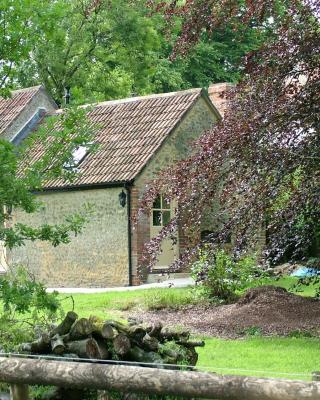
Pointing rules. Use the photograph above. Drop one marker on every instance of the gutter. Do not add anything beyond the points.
(127, 187)
(87, 186)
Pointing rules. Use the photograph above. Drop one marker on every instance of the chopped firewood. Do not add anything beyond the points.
(121, 344)
(65, 325)
(57, 345)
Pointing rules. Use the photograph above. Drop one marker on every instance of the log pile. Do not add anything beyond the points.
(94, 339)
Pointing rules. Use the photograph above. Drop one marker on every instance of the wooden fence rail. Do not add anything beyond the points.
(21, 372)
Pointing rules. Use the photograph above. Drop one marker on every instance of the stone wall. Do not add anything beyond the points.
(96, 258)
(177, 146)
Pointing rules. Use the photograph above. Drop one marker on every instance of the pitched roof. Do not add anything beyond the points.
(10, 108)
(130, 132)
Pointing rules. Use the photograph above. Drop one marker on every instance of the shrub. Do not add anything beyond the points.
(218, 276)
(25, 304)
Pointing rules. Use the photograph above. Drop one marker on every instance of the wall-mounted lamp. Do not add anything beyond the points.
(122, 198)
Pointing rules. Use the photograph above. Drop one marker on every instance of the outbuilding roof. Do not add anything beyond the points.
(10, 108)
(129, 133)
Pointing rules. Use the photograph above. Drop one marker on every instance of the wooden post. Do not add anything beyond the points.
(143, 380)
(19, 392)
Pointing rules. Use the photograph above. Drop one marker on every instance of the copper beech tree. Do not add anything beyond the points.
(261, 164)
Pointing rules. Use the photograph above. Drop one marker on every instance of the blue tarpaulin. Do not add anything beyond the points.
(305, 272)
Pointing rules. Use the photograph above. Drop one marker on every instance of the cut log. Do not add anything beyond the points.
(200, 385)
(192, 356)
(40, 346)
(136, 332)
(156, 330)
(121, 344)
(103, 348)
(105, 330)
(169, 353)
(150, 343)
(80, 329)
(170, 334)
(87, 348)
(190, 343)
(139, 355)
(65, 325)
(57, 345)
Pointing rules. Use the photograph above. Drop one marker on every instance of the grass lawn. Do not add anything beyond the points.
(292, 358)
(277, 357)
(111, 304)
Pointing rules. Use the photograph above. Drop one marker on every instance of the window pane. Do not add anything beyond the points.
(165, 204)
(166, 217)
(157, 203)
(156, 218)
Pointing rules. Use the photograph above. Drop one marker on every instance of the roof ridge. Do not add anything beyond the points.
(28, 89)
(146, 97)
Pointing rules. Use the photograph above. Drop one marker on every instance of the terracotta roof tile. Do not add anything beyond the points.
(10, 108)
(130, 132)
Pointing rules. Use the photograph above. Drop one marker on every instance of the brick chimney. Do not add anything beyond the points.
(216, 92)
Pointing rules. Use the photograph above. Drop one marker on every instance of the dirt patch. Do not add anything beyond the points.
(271, 309)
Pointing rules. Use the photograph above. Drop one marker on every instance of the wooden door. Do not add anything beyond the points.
(162, 212)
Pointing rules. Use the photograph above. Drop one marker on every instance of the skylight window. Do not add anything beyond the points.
(77, 157)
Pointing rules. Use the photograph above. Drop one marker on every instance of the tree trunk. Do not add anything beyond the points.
(148, 381)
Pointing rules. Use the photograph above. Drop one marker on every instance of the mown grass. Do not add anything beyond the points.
(112, 304)
(276, 357)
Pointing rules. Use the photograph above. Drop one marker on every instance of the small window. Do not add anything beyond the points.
(161, 212)
(77, 157)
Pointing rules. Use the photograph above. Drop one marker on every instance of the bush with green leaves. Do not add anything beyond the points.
(25, 305)
(218, 276)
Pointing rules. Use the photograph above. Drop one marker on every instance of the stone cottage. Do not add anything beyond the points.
(137, 137)
(19, 114)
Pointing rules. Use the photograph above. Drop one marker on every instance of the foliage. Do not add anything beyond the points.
(21, 294)
(16, 38)
(218, 276)
(112, 49)
(310, 281)
(25, 304)
(270, 133)
(253, 331)
(102, 49)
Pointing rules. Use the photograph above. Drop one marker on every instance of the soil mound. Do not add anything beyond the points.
(267, 309)
(264, 295)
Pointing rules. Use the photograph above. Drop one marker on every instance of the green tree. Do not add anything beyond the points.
(16, 38)
(114, 49)
(102, 49)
